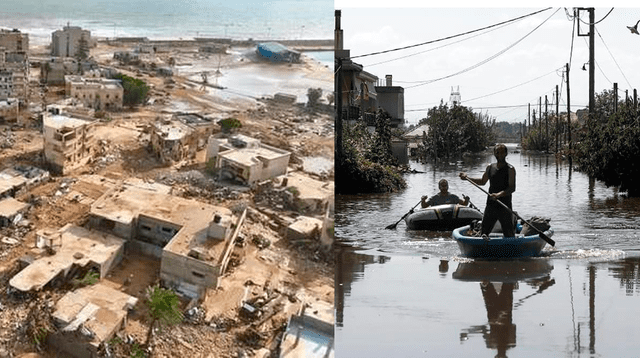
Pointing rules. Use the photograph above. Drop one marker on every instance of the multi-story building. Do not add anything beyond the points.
(14, 65)
(14, 40)
(64, 43)
(96, 93)
(68, 141)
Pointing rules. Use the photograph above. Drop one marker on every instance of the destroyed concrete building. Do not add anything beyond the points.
(11, 210)
(87, 317)
(73, 248)
(192, 239)
(245, 159)
(14, 40)
(65, 42)
(9, 108)
(68, 140)
(179, 137)
(96, 93)
(20, 176)
(54, 70)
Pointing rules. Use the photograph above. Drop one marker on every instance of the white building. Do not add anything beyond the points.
(96, 93)
(64, 43)
(68, 141)
(245, 159)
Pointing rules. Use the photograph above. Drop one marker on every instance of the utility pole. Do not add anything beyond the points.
(557, 116)
(338, 95)
(615, 97)
(569, 114)
(529, 114)
(546, 120)
(592, 61)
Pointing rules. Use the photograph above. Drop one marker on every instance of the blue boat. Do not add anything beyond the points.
(499, 246)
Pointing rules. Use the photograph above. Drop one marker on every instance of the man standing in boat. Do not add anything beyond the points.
(444, 197)
(502, 183)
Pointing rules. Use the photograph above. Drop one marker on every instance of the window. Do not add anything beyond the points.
(197, 274)
(167, 230)
(145, 227)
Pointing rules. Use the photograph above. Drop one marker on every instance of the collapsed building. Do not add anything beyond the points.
(68, 140)
(9, 108)
(96, 93)
(179, 137)
(245, 159)
(55, 69)
(18, 177)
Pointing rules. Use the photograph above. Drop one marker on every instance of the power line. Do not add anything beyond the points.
(435, 48)
(450, 37)
(597, 22)
(506, 89)
(614, 59)
(485, 60)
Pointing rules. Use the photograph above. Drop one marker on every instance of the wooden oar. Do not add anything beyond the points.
(393, 226)
(542, 235)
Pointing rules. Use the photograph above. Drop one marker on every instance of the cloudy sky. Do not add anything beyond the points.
(499, 70)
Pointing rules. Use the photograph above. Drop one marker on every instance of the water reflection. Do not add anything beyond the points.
(628, 272)
(498, 280)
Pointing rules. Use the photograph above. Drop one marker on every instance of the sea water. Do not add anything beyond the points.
(171, 19)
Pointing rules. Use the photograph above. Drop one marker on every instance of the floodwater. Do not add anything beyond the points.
(402, 293)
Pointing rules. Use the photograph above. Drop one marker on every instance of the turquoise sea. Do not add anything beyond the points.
(164, 19)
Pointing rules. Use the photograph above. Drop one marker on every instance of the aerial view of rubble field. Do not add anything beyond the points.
(166, 179)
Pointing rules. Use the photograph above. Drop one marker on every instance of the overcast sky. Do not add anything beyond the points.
(517, 60)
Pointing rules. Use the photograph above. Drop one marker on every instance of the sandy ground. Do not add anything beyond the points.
(293, 273)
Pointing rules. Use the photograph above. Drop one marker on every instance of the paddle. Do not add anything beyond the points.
(542, 235)
(393, 226)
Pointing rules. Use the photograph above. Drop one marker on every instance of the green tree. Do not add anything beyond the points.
(359, 172)
(163, 306)
(82, 52)
(229, 125)
(610, 149)
(135, 90)
(455, 130)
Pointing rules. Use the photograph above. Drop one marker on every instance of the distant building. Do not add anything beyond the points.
(64, 43)
(96, 93)
(391, 99)
(14, 40)
(180, 137)
(455, 99)
(277, 52)
(245, 159)
(68, 141)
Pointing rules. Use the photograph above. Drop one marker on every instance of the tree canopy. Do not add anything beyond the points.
(610, 149)
(135, 90)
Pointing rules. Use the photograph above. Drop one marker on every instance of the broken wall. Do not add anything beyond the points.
(190, 276)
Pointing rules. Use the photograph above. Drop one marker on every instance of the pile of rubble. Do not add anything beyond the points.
(7, 139)
(283, 198)
(107, 153)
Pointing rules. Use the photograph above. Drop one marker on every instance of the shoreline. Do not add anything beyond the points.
(298, 45)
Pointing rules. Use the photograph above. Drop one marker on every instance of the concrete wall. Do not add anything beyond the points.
(64, 43)
(189, 275)
(14, 41)
(155, 231)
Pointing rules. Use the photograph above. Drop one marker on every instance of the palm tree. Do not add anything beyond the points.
(163, 308)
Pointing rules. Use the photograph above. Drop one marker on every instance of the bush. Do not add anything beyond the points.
(135, 90)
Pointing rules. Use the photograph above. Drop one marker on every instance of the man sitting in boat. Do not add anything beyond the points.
(502, 183)
(444, 197)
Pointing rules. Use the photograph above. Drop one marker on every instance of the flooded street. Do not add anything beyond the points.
(408, 293)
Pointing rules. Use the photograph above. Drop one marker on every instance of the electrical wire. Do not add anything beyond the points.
(422, 83)
(614, 59)
(600, 68)
(597, 22)
(506, 89)
(436, 48)
(450, 37)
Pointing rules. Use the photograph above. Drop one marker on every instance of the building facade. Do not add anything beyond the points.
(65, 42)
(68, 141)
(96, 93)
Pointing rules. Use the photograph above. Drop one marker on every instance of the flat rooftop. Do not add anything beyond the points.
(79, 246)
(248, 156)
(59, 121)
(127, 201)
(10, 206)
